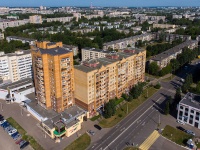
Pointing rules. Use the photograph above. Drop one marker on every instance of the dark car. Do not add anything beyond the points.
(181, 128)
(24, 145)
(97, 126)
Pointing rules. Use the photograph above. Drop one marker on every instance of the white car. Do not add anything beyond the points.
(181, 122)
(12, 131)
(1, 122)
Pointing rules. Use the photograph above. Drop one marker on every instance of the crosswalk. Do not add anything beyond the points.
(150, 140)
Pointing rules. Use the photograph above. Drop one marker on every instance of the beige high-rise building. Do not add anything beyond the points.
(53, 75)
(99, 80)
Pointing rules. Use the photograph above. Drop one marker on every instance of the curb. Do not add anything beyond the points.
(174, 142)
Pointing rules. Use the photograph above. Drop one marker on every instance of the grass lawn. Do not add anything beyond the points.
(24, 134)
(176, 135)
(151, 76)
(95, 118)
(121, 112)
(118, 101)
(80, 144)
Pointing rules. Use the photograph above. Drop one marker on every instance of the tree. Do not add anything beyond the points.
(177, 96)
(160, 21)
(198, 87)
(167, 109)
(153, 68)
(109, 109)
(130, 98)
(136, 91)
(125, 96)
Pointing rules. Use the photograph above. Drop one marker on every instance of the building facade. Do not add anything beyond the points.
(12, 23)
(22, 39)
(53, 75)
(99, 80)
(189, 110)
(35, 19)
(16, 66)
(60, 19)
(1, 36)
(164, 58)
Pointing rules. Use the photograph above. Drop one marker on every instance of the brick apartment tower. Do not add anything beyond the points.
(53, 75)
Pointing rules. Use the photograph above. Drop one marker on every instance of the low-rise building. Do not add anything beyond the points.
(99, 80)
(12, 23)
(164, 58)
(189, 110)
(164, 26)
(60, 19)
(22, 39)
(16, 66)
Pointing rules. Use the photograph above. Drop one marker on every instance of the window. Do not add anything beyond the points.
(192, 111)
(186, 109)
(181, 107)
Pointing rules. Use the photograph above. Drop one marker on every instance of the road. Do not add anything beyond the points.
(139, 124)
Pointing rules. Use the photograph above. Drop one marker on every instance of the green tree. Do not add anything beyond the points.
(167, 109)
(198, 87)
(153, 68)
(130, 98)
(109, 109)
(177, 96)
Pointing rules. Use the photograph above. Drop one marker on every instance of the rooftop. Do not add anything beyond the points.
(192, 100)
(54, 51)
(21, 38)
(106, 61)
(17, 53)
(17, 84)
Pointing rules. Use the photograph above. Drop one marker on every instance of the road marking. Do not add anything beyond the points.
(130, 125)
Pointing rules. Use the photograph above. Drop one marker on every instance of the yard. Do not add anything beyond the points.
(176, 135)
(24, 134)
(126, 108)
(80, 144)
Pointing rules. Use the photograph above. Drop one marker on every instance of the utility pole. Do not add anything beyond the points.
(21, 112)
(1, 106)
(127, 108)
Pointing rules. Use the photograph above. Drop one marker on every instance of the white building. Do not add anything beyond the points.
(16, 66)
(22, 39)
(12, 23)
(189, 110)
(60, 19)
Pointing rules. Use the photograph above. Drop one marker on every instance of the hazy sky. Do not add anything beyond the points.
(122, 3)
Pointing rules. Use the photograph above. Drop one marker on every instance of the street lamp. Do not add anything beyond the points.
(158, 118)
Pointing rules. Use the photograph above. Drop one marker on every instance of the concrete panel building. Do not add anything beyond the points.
(99, 80)
(35, 19)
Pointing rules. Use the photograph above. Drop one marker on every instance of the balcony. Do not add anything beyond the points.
(59, 134)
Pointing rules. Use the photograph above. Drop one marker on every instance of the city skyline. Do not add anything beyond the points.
(103, 3)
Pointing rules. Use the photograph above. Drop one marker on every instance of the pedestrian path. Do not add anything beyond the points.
(150, 140)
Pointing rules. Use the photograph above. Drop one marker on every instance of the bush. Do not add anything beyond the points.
(120, 115)
(157, 86)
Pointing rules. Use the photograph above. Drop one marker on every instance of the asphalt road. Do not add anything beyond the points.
(139, 124)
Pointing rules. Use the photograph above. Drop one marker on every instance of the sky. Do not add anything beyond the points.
(119, 3)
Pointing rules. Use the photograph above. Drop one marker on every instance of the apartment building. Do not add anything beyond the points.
(164, 58)
(123, 43)
(99, 80)
(93, 53)
(22, 39)
(82, 31)
(35, 19)
(73, 48)
(53, 75)
(12, 23)
(189, 110)
(1, 36)
(164, 26)
(16, 66)
(60, 19)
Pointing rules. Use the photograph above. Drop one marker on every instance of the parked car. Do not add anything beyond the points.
(18, 141)
(5, 124)
(181, 128)
(91, 132)
(190, 132)
(1, 122)
(12, 131)
(181, 122)
(8, 128)
(24, 145)
(17, 137)
(97, 126)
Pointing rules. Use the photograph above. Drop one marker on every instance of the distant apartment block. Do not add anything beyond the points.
(22, 39)
(189, 110)
(82, 31)
(99, 80)
(123, 43)
(16, 66)
(53, 75)
(93, 53)
(73, 48)
(12, 23)
(60, 19)
(35, 19)
(164, 26)
(1, 36)
(164, 58)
